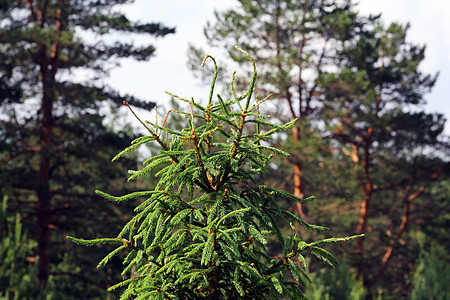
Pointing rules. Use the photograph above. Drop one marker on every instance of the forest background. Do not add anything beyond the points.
(391, 161)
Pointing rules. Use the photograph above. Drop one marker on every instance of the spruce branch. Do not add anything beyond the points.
(152, 133)
(206, 181)
(93, 242)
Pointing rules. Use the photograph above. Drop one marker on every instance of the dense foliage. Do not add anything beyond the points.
(53, 102)
(202, 232)
(433, 274)
(363, 144)
(293, 43)
(16, 273)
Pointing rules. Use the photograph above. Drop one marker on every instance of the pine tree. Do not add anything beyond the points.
(51, 119)
(394, 150)
(203, 231)
(357, 88)
(293, 42)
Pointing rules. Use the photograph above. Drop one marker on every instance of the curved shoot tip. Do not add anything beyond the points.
(252, 81)
(241, 50)
(246, 54)
(213, 83)
(212, 58)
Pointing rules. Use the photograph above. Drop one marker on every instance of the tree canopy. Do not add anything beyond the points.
(357, 87)
(55, 141)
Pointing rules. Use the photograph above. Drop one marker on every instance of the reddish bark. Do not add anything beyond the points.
(301, 107)
(367, 190)
(298, 183)
(48, 67)
(407, 201)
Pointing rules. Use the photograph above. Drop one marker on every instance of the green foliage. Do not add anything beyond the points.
(364, 144)
(336, 284)
(203, 231)
(396, 151)
(432, 275)
(16, 273)
(293, 42)
(52, 118)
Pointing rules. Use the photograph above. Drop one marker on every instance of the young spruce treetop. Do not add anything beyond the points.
(203, 231)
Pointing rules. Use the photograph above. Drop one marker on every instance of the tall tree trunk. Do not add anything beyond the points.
(43, 220)
(298, 168)
(366, 187)
(367, 190)
(362, 228)
(43, 192)
(48, 67)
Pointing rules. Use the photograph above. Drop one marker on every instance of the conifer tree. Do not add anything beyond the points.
(293, 42)
(202, 232)
(16, 273)
(50, 118)
(395, 151)
(360, 86)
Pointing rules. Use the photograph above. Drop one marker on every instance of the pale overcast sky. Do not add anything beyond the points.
(167, 71)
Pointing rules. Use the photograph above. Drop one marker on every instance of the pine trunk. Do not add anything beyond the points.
(298, 170)
(43, 192)
(44, 196)
(367, 190)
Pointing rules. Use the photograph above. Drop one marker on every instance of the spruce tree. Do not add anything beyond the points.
(203, 231)
(52, 120)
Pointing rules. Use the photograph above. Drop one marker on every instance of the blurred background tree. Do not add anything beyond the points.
(293, 43)
(393, 147)
(56, 142)
(433, 274)
(376, 160)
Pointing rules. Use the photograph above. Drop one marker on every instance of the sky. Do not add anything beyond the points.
(168, 71)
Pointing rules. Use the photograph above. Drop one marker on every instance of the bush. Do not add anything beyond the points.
(336, 284)
(16, 273)
(432, 277)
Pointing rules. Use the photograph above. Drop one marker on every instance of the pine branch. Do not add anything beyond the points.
(19, 153)
(408, 198)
